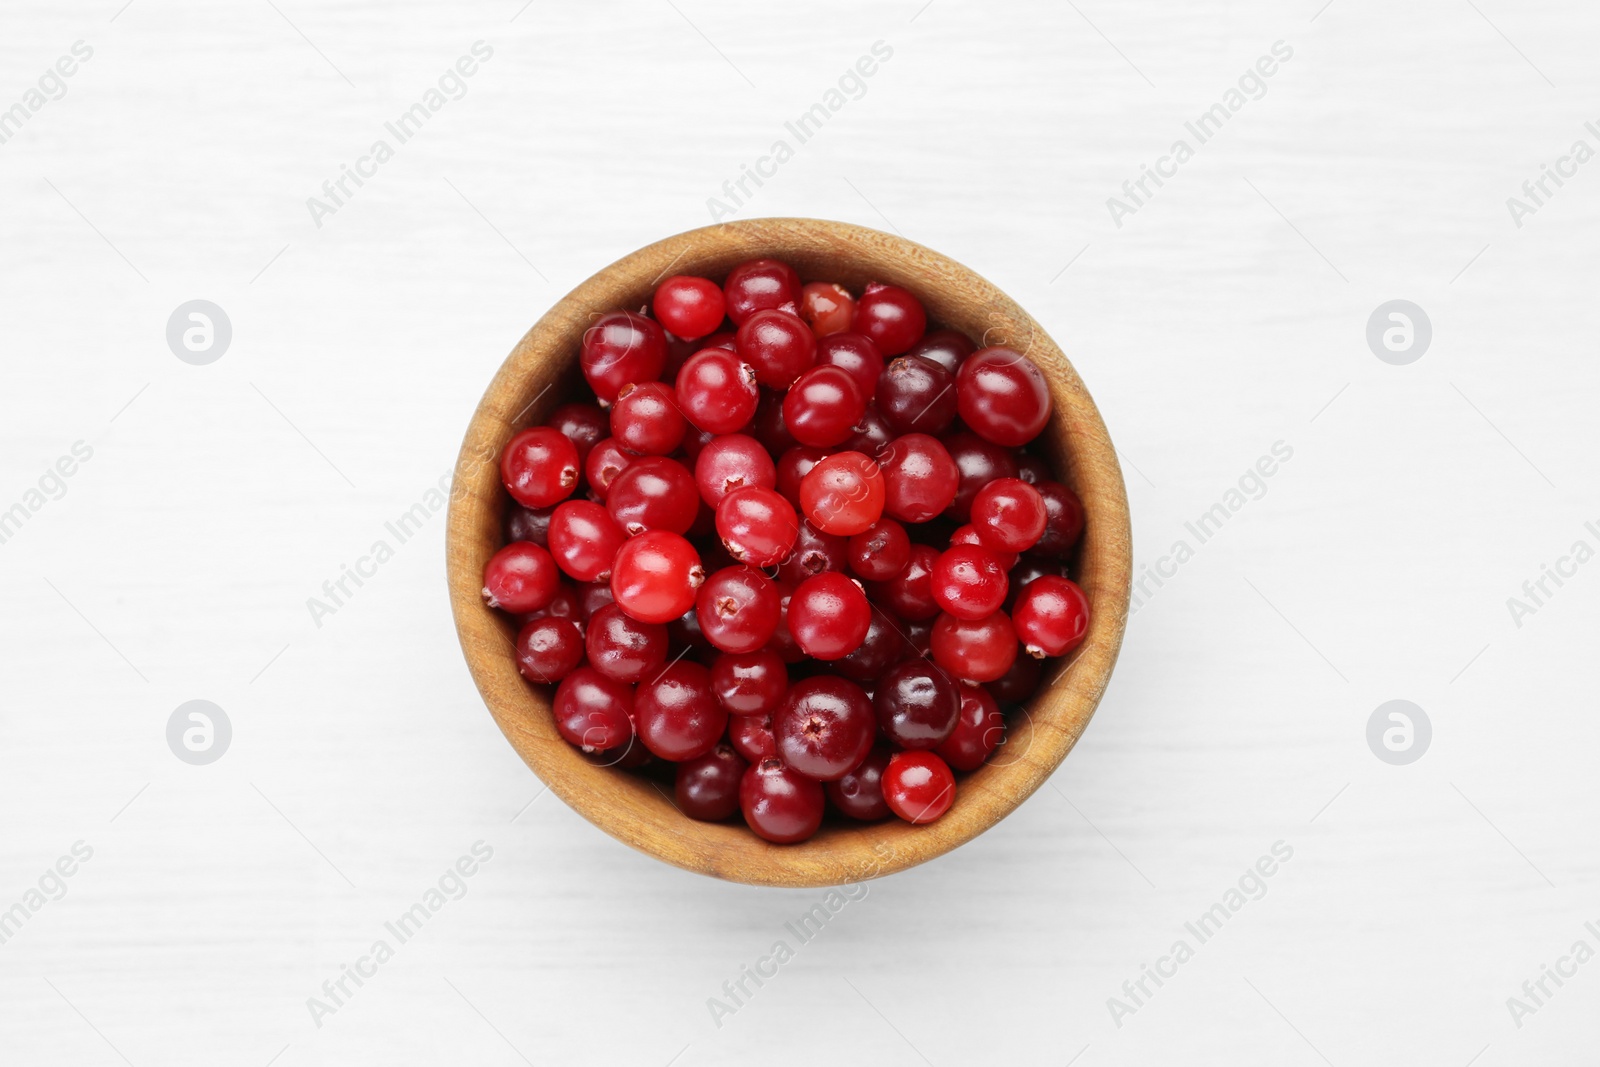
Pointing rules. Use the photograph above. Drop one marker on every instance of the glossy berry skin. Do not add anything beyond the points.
(880, 552)
(1018, 684)
(1008, 515)
(621, 347)
(792, 467)
(1034, 470)
(917, 705)
(729, 462)
(823, 406)
(948, 348)
(562, 605)
(653, 493)
(768, 426)
(870, 436)
(751, 736)
(779, 803)
(856, 355)
(968, 581)
(909, 594)
(539, 467)
(591, 598)
(891, 317)
(827, 307)
(757, 526)
(979, 730)
(1063, 522)
(783, 642)
(968, 535)
(655, 576)
(623, 648)
(520, 578)
(646, 420)
(919, 478)
(916, 395)
(778, 345)
(843, 494)
(1051, 616)
(978, 463)
(592, 711)
(813, 553)
(750, 683)
(717, 391)
(859, 794)
(606, 461)
(707, 787)
(676, 712)
(738, 609)
(548, 649)
(880, 649)
(829, 616)
(529, 524)
(757, 284)
(585, 425)
(825, 727)
(584, 539)
(974, 650)
(918, 786)
(689, 307)
(1002, 396)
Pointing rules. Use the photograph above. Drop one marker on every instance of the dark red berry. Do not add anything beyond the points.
(758, 284)
(751, 735)
(707, 787)
(978, 462)
(654, 493)
(825, 727)
(1002, 396)
(738, 609)
(880, 552)
(520, 578)
(621, 347)
(528, 524)
(813, 553)
(919, 478)
(780, 804)
(585, 425)
(859, 794)
(622, 648)
(909, 594)
(778, 345)
(918, 786)
(676, 712)
(750, 683)
(917, 705)
(891, 317)
(606, 461)
(548, 649)
(823, 406)
(856, 355)
(880, 649)
(592, 711)
(945, 347)
(540, 467)
(1064, 521)
(979, 730)
(645, 419)
(916, 395)
(793, 465)
(1018, 684)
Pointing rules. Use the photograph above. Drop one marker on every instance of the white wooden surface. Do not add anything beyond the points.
(1226, 315)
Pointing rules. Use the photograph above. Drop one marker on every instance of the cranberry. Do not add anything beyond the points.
(891, 317)
(916, 395)
(824, 728)
(945, 347)
(859, 794)
(917, 705)
(592, 597)
(1034, 470)
(978, 462)
(646, 419)
(823, 406)
(780, 804)
(1051, 616)
(720, 339)
(653, 493)
(855, 354)
(968, 581)
(881, 551)
(843, 494)
(750, 683)
(758, 284)
(783, 642)
(918, 634)
(738, 609)
(778, 345)
(751, 736)
(622, 648)
(584, 539)
(677, 713)
(592, 711)
(757, 525)
(1018, 684)
(731, 461)
(585, 425)
(909, 594)
(655, 576)
(968, 535)
(793, 465)
(975, 650)
(918, 786)
(689, 307)
(768, 426)
(813, 553)
(563, 604)
(829, 616)
(880, 649)
(606, 461)
(1008, 515)
(621, 347)
(827, 307)
(549, 649)
(529, 524)
(520, 578)
(717, 391)
(1002, 396)
(919, 478)
(1064, 523)
(871, 436)
(540, 467)
(707, 787)
(979, 730)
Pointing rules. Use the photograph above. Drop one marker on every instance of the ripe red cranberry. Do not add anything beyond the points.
(823, 406)
(968, 581)
(707, 787)
(881, 649)
(793, 465)
(1051, 616)
(562, 605)
(676, 712)
(843, 494)
(979, 730)
(646, 419)
(528, 524)
(751, 735)
(1064, 522)
(813, 553)
(827, 307)
(606, 461)
(829, 616)
(945, 347)
(825, 727)
(548, 649)
(880, 552)
(917, 705)
(689, 307)
(592, 711)
(918, 786)
(1018, 684)
(655, 575)
(540, 467)
(654, 493)
(1002, 396)
(919, 478)
(757, 526)
(778, 345)
(758, 284)
(916, 395)
(717, 391)
(856, 354)
(780, 804)
(909, 594)
(891, 317)
(859, 794)
(585, 425)
(750, 683)
(968, 535)
(1008, 515)
(975, 650)
(520, 578)
(738, 609)
(621, 347)
(978, 462)
(622, 648)
(584, 539)
(731, 461)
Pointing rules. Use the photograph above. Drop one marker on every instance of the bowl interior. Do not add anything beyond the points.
(540, 374)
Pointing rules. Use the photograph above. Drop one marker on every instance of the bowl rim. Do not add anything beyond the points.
(634, 809)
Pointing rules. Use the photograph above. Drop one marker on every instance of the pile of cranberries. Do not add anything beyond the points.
(794, 545)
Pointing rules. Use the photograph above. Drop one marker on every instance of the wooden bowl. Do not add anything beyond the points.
(638, 811)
